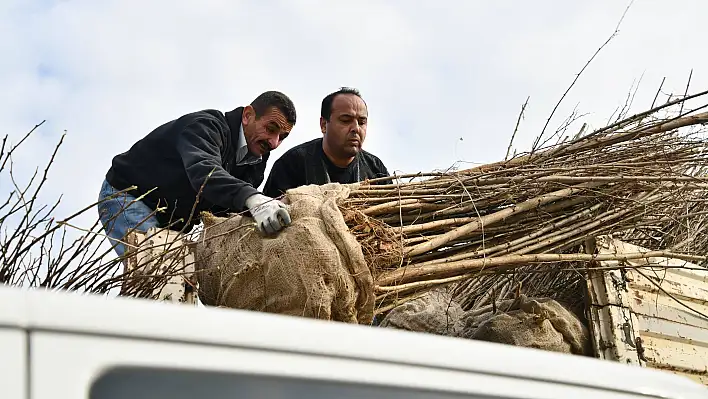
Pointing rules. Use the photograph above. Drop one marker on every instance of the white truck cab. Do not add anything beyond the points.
(59, 345)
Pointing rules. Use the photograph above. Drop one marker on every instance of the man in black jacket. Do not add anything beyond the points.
(337, 157)
(203, 161)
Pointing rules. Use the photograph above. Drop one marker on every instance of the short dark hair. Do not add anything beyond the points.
(276, 99)
(326, 110)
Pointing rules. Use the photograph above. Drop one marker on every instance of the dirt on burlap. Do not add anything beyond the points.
(313, 268)
(540, 323)
(435, 312)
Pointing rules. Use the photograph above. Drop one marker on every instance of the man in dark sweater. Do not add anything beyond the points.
(337, 157)
(202, 161)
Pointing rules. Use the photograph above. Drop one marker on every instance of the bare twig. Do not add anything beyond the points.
(516, 128)
(577, 76)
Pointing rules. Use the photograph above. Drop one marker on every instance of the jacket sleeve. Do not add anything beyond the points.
(199, 144)
(284, 175)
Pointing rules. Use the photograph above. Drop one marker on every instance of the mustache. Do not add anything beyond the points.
(265, 145)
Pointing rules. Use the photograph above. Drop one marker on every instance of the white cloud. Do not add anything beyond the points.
(108, 72)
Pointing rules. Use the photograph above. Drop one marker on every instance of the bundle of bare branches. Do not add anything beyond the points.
(38, 249)
(641, 179)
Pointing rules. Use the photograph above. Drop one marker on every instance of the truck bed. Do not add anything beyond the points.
(58, 344)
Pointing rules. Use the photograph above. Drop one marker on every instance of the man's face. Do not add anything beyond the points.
(345, 131)
(265, 133)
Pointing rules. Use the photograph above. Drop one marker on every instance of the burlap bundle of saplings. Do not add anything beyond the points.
(313, 268)
(435, 312)
(540, 323)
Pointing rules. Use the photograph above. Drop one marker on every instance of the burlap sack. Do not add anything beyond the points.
(434, 313)
(540, 323)
(312, 268)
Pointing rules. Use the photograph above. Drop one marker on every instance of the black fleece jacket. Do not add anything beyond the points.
(307, 163)
(175, 160)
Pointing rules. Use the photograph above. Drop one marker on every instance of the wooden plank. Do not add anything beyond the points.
(677, 277)
(611, 339)
(603, 290)
(607, 344)
(667, 354)
(662, 307)
(701, 276)
(673, 338)
(685, 284)
(674, 284)
(673, 331)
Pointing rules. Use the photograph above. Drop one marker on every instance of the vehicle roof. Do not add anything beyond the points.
(138, 318)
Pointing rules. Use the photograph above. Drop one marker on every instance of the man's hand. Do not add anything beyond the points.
(270, 214)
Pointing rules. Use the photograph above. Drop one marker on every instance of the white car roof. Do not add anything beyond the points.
(127, 317)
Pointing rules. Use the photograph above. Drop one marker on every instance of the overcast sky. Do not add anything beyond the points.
(444, 80)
